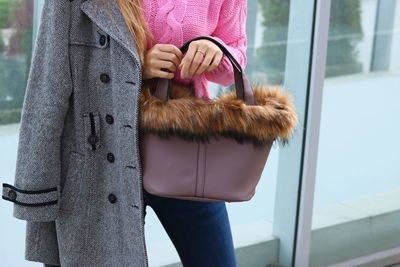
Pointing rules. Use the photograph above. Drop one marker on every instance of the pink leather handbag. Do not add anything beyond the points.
(210, 150)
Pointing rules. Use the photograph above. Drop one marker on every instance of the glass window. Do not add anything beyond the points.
(357, 183)
(15, 56)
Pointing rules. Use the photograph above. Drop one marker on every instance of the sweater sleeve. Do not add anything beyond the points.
(231, 32)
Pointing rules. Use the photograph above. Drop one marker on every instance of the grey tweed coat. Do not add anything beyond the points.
(78, 182)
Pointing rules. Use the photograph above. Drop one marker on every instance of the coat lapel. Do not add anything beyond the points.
(115, 27)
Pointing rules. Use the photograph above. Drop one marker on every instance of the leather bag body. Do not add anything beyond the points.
(210, 150)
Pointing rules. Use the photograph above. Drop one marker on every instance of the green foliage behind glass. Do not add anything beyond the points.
(10, 116)
(270, 57)
(344, 34)
(15, 59)
(12, 82)
(4, 13)
(2, 46)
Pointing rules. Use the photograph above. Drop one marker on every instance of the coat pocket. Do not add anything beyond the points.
(91, 122)
(70, 191)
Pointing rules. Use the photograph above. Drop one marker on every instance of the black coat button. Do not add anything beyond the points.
(93, 139)
(112, 198)
(110, 157)
(103, 40)
(104, 78)
(109, 119)
(12, 195)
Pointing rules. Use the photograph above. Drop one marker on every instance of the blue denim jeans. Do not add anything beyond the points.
(200, 231)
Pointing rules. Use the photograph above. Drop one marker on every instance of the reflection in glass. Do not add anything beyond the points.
(15, 56)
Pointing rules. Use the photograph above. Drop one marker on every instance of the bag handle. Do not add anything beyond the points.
(242, 84)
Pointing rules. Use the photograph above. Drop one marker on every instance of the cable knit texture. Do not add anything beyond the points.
(178, 21)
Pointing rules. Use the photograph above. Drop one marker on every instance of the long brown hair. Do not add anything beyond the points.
(134, 16)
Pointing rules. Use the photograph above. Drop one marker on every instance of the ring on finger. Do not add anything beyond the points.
(201, 52)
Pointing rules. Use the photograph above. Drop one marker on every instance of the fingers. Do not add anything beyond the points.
(161, 61)
(206, 63)
(197, 60)
(187, 60)
(163, 69)
(163, 74)
(163, 64)
(170, 52)
(169, 48)
(164, 59)
(196, 63)
(173, 58)
(153, 73)
(216, 60)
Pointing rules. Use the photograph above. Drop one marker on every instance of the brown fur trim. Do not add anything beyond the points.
(198, 119)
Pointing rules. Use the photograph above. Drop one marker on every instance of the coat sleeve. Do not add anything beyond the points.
(35, 192)
(231, 32)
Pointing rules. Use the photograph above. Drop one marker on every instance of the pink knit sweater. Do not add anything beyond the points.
(178, 21)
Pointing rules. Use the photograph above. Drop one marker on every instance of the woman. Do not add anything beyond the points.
(175, 22)
(78, 182)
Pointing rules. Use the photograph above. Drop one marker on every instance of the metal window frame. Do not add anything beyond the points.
(310, 154)
(383, 35)
(304, 76)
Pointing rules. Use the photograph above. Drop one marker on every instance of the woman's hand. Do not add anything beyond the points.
(160, 61)
(193, 64)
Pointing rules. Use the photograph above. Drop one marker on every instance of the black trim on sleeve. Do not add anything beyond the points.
(31, 204)
(30, 191)
(31, 198)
